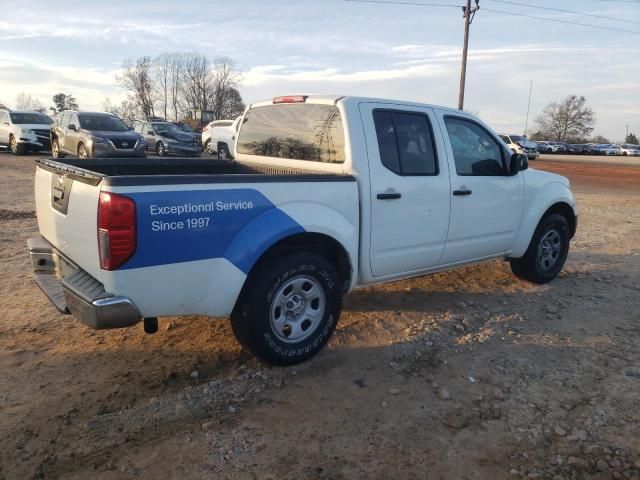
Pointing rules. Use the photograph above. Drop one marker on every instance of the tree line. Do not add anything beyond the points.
(176, 85)
(173, 85)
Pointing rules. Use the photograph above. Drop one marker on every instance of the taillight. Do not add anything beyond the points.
(290, 99)
(116, 230)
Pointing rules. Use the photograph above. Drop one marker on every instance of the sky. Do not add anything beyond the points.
(402, 51)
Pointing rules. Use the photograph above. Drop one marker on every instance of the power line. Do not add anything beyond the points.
(557, 20)
(415, 4)
(565, 11)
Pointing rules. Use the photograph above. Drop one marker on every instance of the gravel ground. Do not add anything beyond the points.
(469, 374)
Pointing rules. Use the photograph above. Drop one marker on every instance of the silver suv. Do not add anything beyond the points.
(94, 135)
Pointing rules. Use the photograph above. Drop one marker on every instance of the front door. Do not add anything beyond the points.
(486, 202)
(410, 189)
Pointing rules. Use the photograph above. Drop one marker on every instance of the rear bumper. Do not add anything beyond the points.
(72, 290)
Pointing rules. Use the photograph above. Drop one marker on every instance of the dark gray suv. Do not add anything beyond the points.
(94, 135)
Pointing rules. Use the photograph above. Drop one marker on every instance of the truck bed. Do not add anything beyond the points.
(144, 171)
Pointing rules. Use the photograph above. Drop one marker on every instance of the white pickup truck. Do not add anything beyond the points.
(326, 194)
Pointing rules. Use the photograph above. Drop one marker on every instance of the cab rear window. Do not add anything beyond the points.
(303, 131)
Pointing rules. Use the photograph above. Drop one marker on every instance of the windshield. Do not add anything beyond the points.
(505, 139)
(164, 128)
(185, 128)
(518, 138)
(105, 123)
(30, 118)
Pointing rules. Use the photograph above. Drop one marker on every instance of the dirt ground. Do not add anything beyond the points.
(470, 374)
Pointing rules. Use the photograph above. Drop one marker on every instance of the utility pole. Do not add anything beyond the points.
(625, 138)
(468, 14)
(526, 122)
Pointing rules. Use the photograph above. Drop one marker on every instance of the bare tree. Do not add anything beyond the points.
(128, 110)
(197, 83)
(137, 79)
(224, 78)
(24, 101)
(232, 104)
(568, 121)
(600, 139)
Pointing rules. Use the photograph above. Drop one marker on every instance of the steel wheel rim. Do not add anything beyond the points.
(161, 149)
(297, 309)
(549, 249)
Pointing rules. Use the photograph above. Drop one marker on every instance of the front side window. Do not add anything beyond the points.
(475, 151)
(301, 131)
(405, 141)
(64, 119)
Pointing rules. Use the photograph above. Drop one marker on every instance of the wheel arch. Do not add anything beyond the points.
(556, 198)
(314, 242)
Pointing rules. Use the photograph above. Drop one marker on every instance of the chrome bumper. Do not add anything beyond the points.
(72, 290)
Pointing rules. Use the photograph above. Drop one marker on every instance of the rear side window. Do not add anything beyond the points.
(304, 131)
(406, 142)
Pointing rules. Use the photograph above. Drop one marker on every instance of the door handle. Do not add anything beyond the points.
(463, 192)
(388, 196)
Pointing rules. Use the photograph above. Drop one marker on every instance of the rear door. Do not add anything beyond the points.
(409, 181)
(486, 202)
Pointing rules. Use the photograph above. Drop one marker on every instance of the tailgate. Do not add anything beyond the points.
(66, 207)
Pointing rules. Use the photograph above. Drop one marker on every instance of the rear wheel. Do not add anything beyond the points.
(289, 308)
(207, 144)
(547, 251)
(223, 152)
(17, 148)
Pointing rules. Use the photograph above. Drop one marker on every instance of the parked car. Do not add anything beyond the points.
(544, 147)
(223, 140)
(630, 149)
(521, 144)
(186, 128)
(207, 132)
(575, 149)
(94, 135)
(166, 139)
(23, 131)
(612, 150)
(327, 193)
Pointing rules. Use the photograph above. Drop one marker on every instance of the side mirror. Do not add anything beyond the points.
(518, 163)
(73, 128)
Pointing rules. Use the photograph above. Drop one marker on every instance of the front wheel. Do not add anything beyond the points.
(207, 144)
(83, 152)
(547, 251)
(161, 149)
(289, 308)
(55, 149)
(17, 148)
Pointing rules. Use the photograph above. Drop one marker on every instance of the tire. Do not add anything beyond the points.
(270, 318)
(16, 148)
(160, 148)
(206, 146)
(223, 152)
(55, 149)
(547, 251)
(83, 153)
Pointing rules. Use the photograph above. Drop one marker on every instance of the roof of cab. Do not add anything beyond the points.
(347, 99)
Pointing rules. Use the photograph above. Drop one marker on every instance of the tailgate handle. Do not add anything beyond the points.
(60, 192)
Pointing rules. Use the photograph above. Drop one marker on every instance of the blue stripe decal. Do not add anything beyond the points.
(183, 226)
